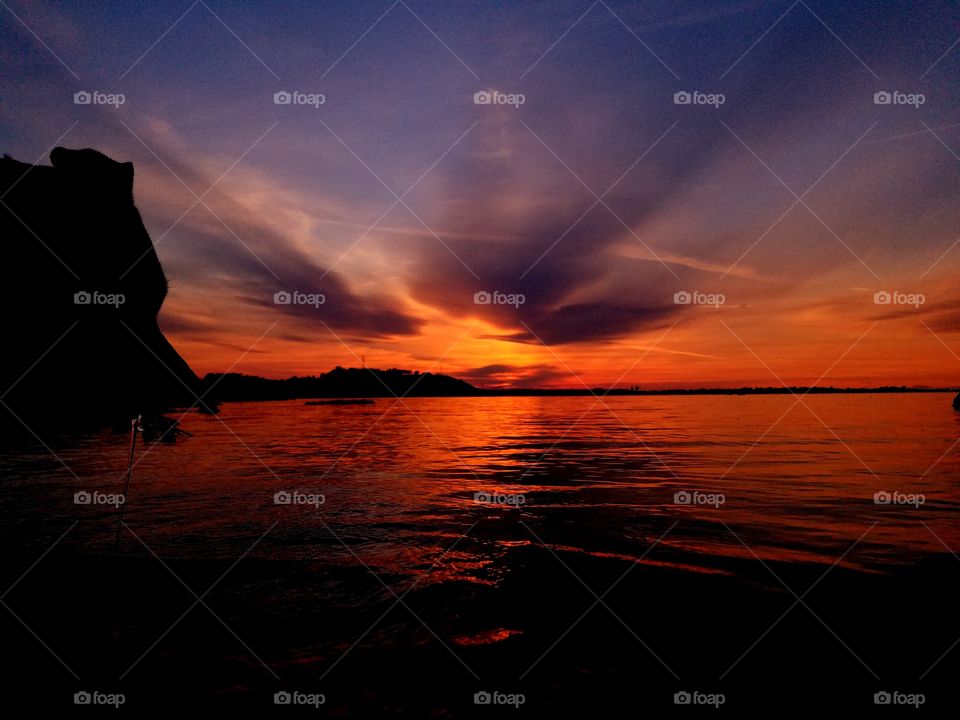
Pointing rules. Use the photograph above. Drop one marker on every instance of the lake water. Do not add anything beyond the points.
(385, 501)
(797, 480)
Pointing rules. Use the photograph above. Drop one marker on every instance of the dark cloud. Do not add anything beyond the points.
(589, 322)
(503, 375)
(251, 261)
(943, 316)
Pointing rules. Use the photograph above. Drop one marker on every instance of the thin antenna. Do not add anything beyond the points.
(135, 427)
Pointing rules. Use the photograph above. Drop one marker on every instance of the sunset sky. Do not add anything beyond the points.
(599, 198)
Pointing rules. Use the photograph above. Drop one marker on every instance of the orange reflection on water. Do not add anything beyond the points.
(602, 480)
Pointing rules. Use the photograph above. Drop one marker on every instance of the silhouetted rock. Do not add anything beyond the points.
(956, 402)
(81, 292)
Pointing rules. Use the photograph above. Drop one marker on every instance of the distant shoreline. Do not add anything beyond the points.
(344, 383)
(706, 391)
(615, 393)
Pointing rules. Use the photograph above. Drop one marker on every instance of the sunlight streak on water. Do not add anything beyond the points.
(399, 481)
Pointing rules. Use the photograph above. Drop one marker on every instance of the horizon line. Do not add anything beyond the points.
(633, 388)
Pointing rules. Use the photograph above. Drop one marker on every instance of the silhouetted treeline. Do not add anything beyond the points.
(338, 383)
(374, 383)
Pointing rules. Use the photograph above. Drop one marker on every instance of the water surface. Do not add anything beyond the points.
(797, 479)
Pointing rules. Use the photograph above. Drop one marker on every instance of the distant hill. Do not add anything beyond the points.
(338, 383)
(374, 383)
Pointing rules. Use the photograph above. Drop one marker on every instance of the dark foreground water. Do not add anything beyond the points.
(582, 558)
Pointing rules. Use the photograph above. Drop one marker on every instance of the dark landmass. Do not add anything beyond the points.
(792, 390)
(374, 383)
(338, 383)
(81, 292)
